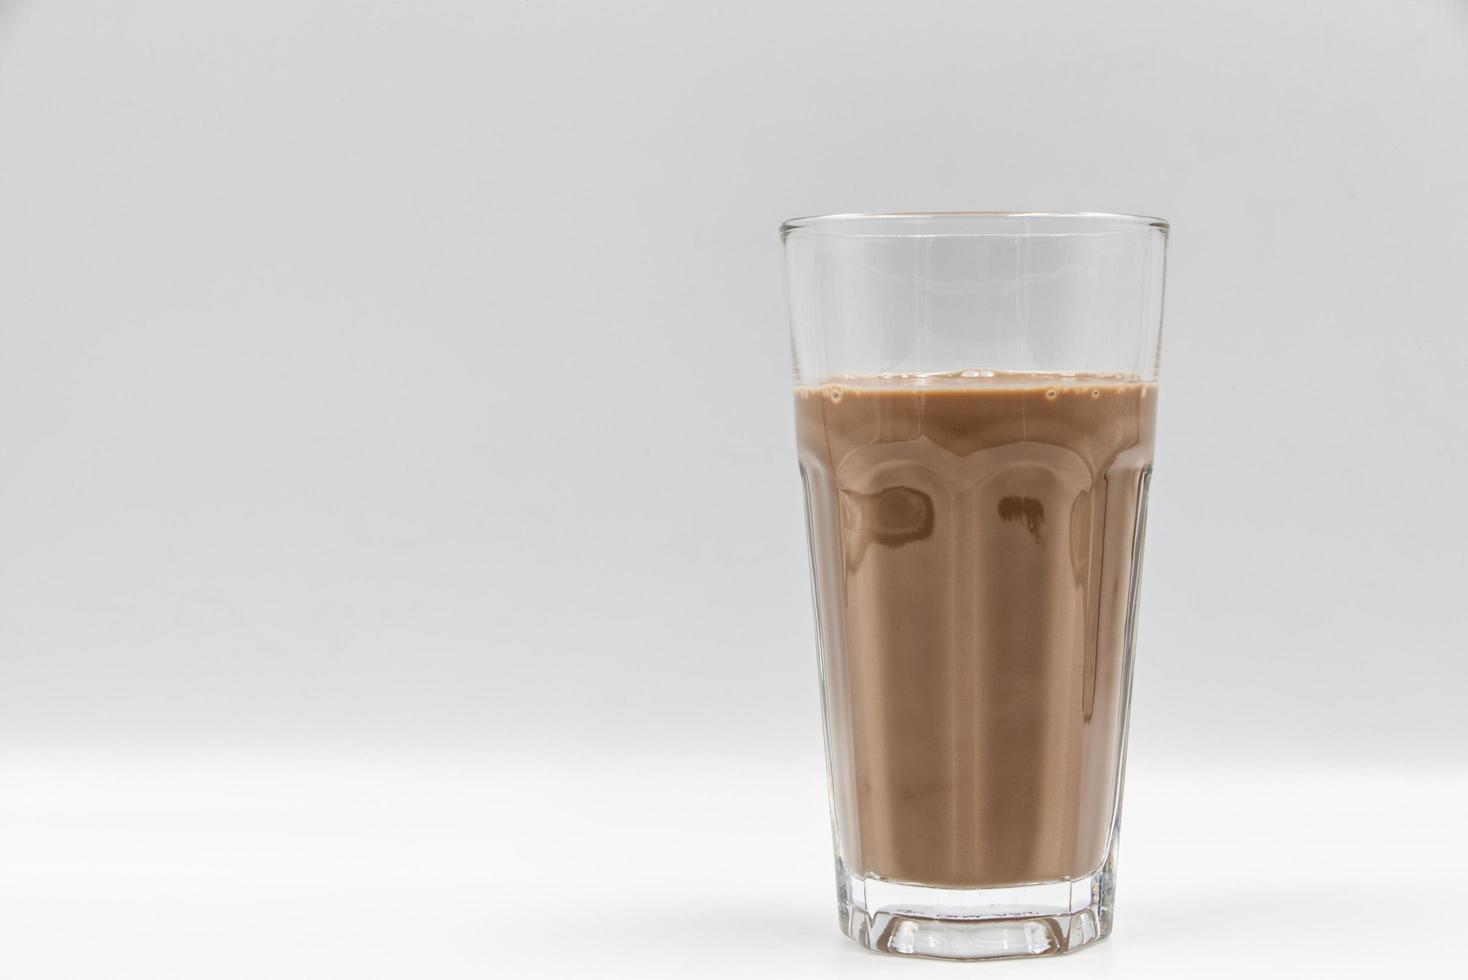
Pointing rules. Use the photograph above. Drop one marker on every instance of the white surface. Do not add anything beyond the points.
(664, 865)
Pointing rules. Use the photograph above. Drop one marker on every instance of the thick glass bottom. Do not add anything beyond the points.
(1041, 919)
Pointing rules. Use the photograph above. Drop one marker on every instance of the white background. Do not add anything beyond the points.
(401, 562)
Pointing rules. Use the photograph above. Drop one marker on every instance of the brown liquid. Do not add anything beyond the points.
(975, 541)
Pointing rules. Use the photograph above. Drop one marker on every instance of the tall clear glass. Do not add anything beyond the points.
(975, 399)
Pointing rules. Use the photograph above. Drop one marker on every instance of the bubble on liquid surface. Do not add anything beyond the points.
(833, 393)
(1052, 393)
(972, 373)
(1095, 392)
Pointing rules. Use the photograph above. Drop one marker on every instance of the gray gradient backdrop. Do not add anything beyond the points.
(415, 373)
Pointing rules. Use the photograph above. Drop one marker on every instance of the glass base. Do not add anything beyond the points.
(1041, 919)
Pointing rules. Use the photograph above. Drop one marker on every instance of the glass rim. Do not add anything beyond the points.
(1087, 222)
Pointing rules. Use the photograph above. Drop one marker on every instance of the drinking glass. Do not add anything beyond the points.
(975, 399)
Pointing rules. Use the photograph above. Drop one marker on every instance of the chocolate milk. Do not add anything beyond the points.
(975, 539)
